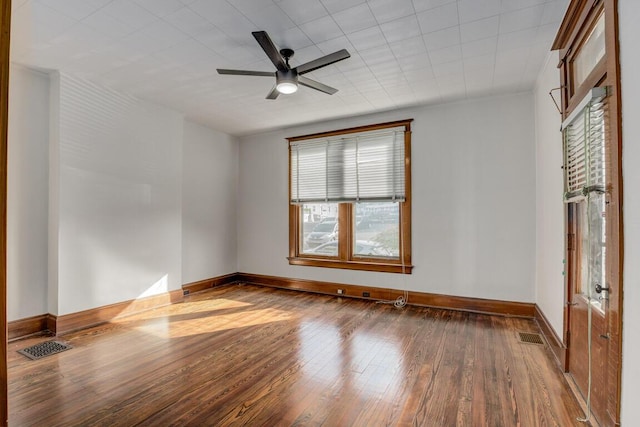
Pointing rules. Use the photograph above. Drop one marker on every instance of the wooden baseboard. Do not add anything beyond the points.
(75, 321)
(205, 284)
(96, 316)
(28, 326)
(476, 305)
(558, 348)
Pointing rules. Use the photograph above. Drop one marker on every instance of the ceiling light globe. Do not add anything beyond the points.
(286, 88)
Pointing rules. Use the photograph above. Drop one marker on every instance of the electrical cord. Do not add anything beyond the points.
(403, 299)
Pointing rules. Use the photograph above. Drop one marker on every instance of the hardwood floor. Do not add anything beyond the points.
(248, 355)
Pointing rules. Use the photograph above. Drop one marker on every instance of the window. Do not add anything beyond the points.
(350, 198)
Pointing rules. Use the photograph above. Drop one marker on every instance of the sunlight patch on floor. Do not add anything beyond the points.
(214, 323)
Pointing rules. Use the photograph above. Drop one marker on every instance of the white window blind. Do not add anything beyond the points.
(364, 166)
(584, 146)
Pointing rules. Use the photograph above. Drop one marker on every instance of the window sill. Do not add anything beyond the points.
(383, 267)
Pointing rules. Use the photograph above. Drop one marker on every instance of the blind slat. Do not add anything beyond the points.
(584, 148)
(366, 166)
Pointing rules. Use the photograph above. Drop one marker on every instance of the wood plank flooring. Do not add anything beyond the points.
(248, 355)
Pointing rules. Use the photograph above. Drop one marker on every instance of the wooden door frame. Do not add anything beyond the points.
(5, 32)
(576, 23)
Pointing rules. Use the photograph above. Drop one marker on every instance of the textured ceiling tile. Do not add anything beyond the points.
(161, 8)
(479, 29)
(334, 6)
(129, 13)
(401, 29)
(355, 18)
(188, 21)
(480, 47)
(408, 47)
(554, 11)
(521, 19)
(511, 5)
(301, 11)
(108, 25)
(422, 5)
(471, 10)
(271, 19)
(322, 29)
(76, 9)
(366, 39)
(443, 38)
(335, 45)
(385, 11)
(247, 7)
(517, 39)
(447, 54)
(438, 18)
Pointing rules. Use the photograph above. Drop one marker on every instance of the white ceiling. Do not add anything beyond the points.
(403, 52)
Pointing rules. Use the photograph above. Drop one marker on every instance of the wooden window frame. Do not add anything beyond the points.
(346, 259)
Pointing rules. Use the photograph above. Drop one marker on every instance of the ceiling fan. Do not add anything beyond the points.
(287, 78)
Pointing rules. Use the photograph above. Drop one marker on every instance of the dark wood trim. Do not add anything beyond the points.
(30, 326)
(5, 33)
(555, 343)
(475, 305)
(51, 323)
(96, 316)
(571, 21)
(615, 234)
(205, 284)
(379, 266)
(366, 128)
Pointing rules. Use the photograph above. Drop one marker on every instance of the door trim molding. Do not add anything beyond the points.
(5, 33)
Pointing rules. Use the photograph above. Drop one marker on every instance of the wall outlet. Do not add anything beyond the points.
(366, 294)
(185, 292)
(341, 291)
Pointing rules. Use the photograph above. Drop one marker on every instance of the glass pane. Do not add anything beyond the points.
(591, 52)
(319, 229)
(593, 247)
(377, 230)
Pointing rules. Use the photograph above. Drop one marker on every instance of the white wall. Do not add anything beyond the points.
(209, 189)
(628, 12)
(27, 190)
(119, 196)
(473, 178)
(549, 202)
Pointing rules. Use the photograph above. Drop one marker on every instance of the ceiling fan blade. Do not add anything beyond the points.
(323, 61)
(246, 72)
(270, 49)
(273, 94)
(304, 81)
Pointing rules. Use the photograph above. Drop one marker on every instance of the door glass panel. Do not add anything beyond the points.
(591, 52)
(592, 250)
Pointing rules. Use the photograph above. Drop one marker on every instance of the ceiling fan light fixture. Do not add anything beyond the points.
(287, 88)
(286, 81)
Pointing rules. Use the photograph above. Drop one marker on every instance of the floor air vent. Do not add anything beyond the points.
(530, 338)
(44, 349)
